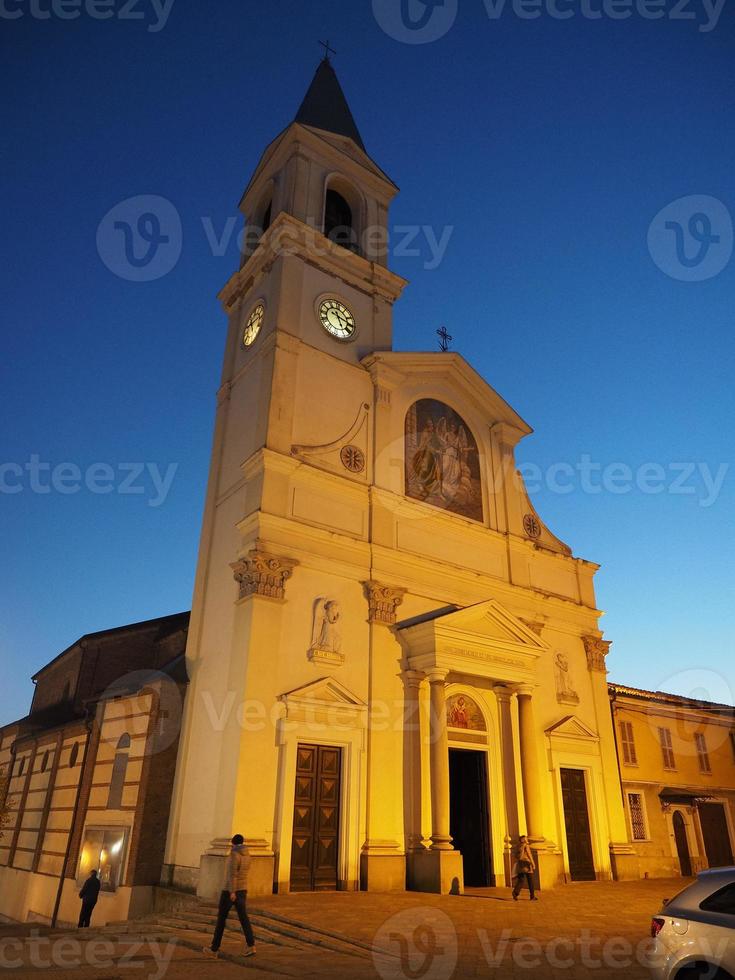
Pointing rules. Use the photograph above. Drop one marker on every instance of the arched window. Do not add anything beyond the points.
(119, 770)
(339, 224)
(44, 761)
(22, 766)
(442, 459)
(74, 755)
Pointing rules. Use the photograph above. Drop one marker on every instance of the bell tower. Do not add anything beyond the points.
(312, 298)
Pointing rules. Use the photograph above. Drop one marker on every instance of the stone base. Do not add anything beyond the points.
(212, 871)
(624, 863)
(382, 872)
(440, 872)
(550, 869)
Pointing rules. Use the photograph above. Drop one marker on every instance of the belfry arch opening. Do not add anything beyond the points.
(342, 214)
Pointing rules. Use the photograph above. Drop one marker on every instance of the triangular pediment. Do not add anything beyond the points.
(490, 621)
(572, 727)
(326, 690)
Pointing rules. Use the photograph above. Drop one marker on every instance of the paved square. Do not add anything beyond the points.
(576, 931)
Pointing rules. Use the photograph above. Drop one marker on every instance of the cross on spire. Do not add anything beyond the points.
(327, 49)
(445, 338)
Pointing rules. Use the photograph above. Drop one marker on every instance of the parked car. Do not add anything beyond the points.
(694, 932)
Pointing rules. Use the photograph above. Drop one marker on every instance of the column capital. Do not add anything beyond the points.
(525, 690)
(597, 650)
(260, 573)
(412, 678)
(503, 693)
(383, 601)
(437, 675)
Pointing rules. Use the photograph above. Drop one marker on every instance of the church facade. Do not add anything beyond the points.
(393, 667)
(396, 667)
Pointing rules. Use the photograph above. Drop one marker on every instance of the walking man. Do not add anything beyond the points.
(524, 869)
(89, 894)
(234, 893)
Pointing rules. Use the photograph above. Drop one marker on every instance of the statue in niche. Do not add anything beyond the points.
(564, 689)
(326, 634)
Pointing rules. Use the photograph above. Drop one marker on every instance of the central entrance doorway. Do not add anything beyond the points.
(469, 818)
(315, 843)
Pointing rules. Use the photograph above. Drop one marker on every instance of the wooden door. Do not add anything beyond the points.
(715, 834)
(577, 822)
(315, 842)
(682, 844)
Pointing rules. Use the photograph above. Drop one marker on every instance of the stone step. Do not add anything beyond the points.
(276, 929)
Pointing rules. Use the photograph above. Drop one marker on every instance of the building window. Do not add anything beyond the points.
(732, 745)
(21, 765)
(667, 748)
(637, 816)
(103, 850)
(627, 740)
(74, 755)
(44, 761)
(701, 742)
(119, 769)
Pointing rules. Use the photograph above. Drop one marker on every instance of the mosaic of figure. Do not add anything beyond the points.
(442, 462)
(462, 712)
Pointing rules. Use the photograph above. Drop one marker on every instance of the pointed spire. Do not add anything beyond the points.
(325, 105)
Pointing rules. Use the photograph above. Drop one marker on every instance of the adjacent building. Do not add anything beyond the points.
(677, 767)
(91, 770)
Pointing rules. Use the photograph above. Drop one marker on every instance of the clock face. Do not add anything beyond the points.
(337, 319)
(253, 324)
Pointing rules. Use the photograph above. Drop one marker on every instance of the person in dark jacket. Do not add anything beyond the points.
(234, 893)
(524, 869)
(89, 895)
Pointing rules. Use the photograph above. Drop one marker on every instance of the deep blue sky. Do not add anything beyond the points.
(548, 146)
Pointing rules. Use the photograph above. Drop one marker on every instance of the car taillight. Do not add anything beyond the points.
(656, 927)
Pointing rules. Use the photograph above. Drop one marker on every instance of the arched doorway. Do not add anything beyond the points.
(682, 844)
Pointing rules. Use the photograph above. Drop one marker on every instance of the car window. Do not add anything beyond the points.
(722, 901)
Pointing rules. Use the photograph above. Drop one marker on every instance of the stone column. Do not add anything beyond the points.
(439, 756)
(530, 768)
(412, 734)
(510, 786)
